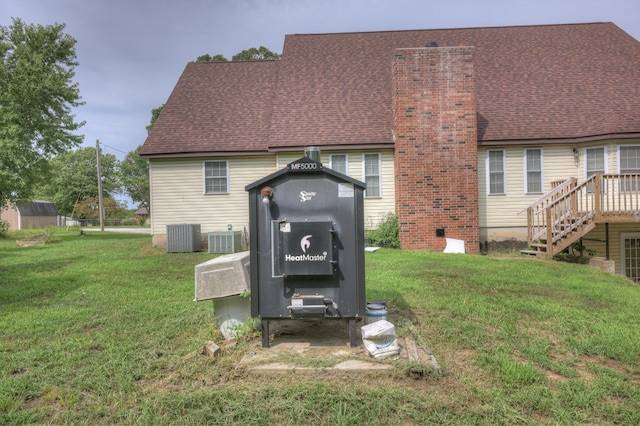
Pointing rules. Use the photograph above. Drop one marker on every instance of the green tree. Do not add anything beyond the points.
(36, 97)
(74, 178)
(134, 177)
(253, 54)
(155, 113)
(89, 209)
(208, 58)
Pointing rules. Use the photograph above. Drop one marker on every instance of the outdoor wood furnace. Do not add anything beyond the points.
(307, 246)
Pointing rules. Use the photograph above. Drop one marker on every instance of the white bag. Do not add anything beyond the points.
(379, 339)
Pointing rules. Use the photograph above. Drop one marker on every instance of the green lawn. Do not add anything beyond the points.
(95, 330)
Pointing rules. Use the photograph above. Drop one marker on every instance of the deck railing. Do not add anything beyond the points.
(572, 210)
(536, 218)
(619, 198)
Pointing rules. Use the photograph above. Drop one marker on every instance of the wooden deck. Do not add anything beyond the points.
(571, 210)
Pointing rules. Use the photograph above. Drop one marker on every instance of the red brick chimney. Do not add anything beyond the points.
(436, 147)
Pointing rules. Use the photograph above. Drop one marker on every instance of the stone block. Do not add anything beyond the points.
(603, 264)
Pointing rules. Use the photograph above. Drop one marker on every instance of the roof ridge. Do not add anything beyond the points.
(454, 28)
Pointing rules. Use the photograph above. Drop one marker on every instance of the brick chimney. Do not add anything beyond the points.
(436, 149)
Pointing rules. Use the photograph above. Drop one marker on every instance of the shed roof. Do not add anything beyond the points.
(534, 83)
(38, 208)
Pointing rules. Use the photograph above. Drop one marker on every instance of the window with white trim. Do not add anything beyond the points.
(630, 255)
(533, 170)
(339, 163)
(629, 164)
(595, 162)
(216, 177)
(371, 175)
(495, 172)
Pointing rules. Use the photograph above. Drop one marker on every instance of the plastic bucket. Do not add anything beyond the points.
(375, 312)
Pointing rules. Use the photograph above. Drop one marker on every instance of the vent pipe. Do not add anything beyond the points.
(312, 152)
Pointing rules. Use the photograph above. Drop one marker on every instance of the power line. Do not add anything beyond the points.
(115, 149)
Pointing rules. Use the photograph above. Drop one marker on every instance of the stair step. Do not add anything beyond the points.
(538, 245)
(533, 252)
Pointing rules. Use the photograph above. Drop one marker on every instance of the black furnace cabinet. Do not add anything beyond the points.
(307, 246)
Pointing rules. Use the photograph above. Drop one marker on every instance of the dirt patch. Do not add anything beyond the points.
(554, 376)
(36, 240)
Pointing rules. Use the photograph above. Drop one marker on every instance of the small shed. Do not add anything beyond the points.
(38, 214)
(142, 215)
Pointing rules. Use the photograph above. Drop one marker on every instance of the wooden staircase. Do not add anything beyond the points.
(572, 210)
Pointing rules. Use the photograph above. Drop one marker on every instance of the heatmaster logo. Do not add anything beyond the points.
(306, 257)
(305, 244)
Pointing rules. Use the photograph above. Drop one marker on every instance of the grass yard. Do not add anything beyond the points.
(95, 330)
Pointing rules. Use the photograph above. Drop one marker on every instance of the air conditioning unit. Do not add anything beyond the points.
(225, 241)
(183, 238)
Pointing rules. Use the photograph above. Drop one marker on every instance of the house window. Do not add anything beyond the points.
(630, 255)
(339, 163)
(216, 177)
(371, 171)
(595, 163)
(495, 171)
(629, 165)
(533, 170)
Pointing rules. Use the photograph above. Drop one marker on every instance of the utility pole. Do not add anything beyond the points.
(100, 207)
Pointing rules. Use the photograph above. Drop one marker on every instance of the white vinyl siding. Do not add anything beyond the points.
(496, 172)
(177, 195)
(502, 211)
(177, 190)
(559, 164)
(533, 170)
(216, 177)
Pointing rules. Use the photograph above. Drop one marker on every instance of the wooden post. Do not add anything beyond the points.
(597, 196)
(530, 225)
(100, 204)
(549, 233)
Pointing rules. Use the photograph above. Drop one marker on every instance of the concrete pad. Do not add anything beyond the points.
(307, 333)
(350, 366)
(317, 347)
(358, 365)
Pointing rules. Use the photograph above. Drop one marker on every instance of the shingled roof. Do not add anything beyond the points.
(535, 84)
(38, 208)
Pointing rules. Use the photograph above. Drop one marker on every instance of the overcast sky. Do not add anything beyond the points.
(132, 52)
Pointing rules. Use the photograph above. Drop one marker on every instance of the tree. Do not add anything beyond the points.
(253, 54)
(89, 209)
(36, 97)
(74, 178)
(208, 58)
(155, 113)
(134, 177)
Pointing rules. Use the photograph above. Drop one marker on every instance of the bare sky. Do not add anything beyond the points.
(132, 52)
